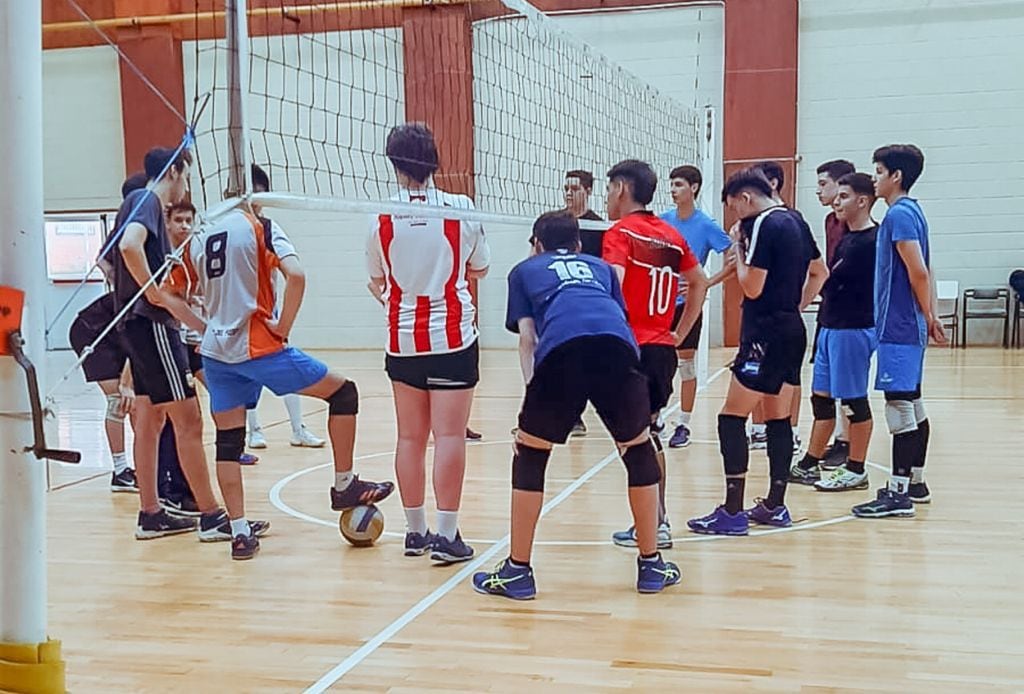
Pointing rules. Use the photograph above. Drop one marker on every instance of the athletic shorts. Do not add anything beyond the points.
(692, 339)
(106, 363)
(900, 367)
(842, 362)
(239, 385)
(159, 361)
(195, 359)
(452, 371)
(770, 358)
(600, 369)
(659, 364)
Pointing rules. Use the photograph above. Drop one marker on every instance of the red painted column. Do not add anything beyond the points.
(761, 50)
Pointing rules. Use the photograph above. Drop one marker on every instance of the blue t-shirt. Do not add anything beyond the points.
(567, 296)
(898, 318)
(701, 233)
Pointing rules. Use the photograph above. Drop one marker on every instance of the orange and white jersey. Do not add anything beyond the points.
(233, 265)
(424, 261)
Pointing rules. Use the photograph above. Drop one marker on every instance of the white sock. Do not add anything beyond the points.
(843, 426)
(415, 520)
(343, 479)
(293, 403)
(759, 428)
(448, 524)
(899, 485)
(120, 462)
(239, 526)
(684, 419)
(916, 475)
(252, 421)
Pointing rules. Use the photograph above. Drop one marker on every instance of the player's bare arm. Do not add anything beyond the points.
(294, 290)
(527, 346)
(817, 273)
(922, 283)
(696, 290)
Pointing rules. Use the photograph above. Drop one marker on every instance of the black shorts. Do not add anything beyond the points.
(692, 339)
(598, 368)
(195, 359)
(659, 364)
(769, 358)
(814, 343)
(452, 371)
(159, 361)
(106, 363)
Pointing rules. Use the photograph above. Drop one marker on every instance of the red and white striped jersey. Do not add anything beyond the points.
(424, 261)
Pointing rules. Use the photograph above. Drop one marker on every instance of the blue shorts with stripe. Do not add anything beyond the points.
(842, 361)
(239, 385)
(900, 367)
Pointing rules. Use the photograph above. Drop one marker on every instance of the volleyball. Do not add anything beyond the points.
(361, 525)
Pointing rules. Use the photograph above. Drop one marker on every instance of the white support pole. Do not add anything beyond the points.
(22, 265)
(237, 36)
(709, 191)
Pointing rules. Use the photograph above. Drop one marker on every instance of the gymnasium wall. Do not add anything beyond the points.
(945, 75)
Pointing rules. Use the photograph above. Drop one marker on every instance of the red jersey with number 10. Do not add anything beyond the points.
(654, 255)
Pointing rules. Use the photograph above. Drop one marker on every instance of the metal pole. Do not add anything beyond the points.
(237, 33)
(22, 265)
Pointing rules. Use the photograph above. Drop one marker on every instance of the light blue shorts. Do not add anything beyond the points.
(239, 385)
(842, 362)
(900, 367)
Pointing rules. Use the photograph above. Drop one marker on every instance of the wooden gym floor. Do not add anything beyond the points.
(926, 604)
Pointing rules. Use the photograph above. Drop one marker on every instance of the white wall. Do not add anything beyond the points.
(946, 75)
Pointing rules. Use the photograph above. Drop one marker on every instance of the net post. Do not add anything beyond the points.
(709, 169)
(28, 661)
(237, 37)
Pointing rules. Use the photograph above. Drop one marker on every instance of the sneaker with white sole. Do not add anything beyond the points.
(758, 440)
(161, 524)
(797, 443)
(124, 481)
(216, 527)
(842, 480)
(256, 439)
(304, 438)
(627, 538)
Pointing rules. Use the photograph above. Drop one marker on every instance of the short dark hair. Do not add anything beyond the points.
(691, 174)
(772, 169)
(160, 158)
(183, 206)
(412, 150)
(260, 179)
(836, 169)
(907, 159)
(586, 178)
(137, 181)
(752, 179)
(639, 175)
(557, 230)
(859, 183)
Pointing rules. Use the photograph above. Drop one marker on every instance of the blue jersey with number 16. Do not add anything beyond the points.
(568, 296)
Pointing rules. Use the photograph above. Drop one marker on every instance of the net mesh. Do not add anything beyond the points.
(327, 81)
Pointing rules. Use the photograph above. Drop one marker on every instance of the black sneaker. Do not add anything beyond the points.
(919, 493)
(473, 435)
(216, 527)
(887, 503)
(801, 475)
(161, 524)
(360, 493)
(416, 544)
(124, 482)
(245, 546)
(450, 551)
(185, 508)
(836, 455)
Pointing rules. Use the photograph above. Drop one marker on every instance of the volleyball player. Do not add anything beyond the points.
(649, 258)
(845, 342)
(419, 269)
(775, 253)
(703, 235)
(575, 346)
(906, 316)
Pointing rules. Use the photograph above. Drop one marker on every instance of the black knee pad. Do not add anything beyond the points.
(780, 447)
(528, 467)
(823, 408)
(230, 444)
(345, 400)
(857, 409)
(732, 442)
(641, 462)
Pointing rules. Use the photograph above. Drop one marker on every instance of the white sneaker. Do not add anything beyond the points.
(255, 439)
(305, 439)
(841, 480)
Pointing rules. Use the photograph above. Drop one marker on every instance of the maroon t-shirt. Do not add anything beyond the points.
(834, 230)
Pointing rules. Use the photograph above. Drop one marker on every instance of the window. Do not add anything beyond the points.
(72, 244)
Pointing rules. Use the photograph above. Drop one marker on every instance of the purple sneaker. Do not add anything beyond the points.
(720, 522)
(360, 493)
(777, 517)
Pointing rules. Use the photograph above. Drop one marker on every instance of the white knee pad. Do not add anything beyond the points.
(899, 415)
(687, 369)
(114, 409)
(919, 412)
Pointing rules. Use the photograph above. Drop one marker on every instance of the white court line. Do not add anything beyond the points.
(383, 636)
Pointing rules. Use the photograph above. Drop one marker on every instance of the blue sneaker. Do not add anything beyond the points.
(416, 545)
(450, 551)
(777, 517)
(680, 438)
(886, 503)
(627, 538)
(655, 575)
(720, 522)
(508, 581)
